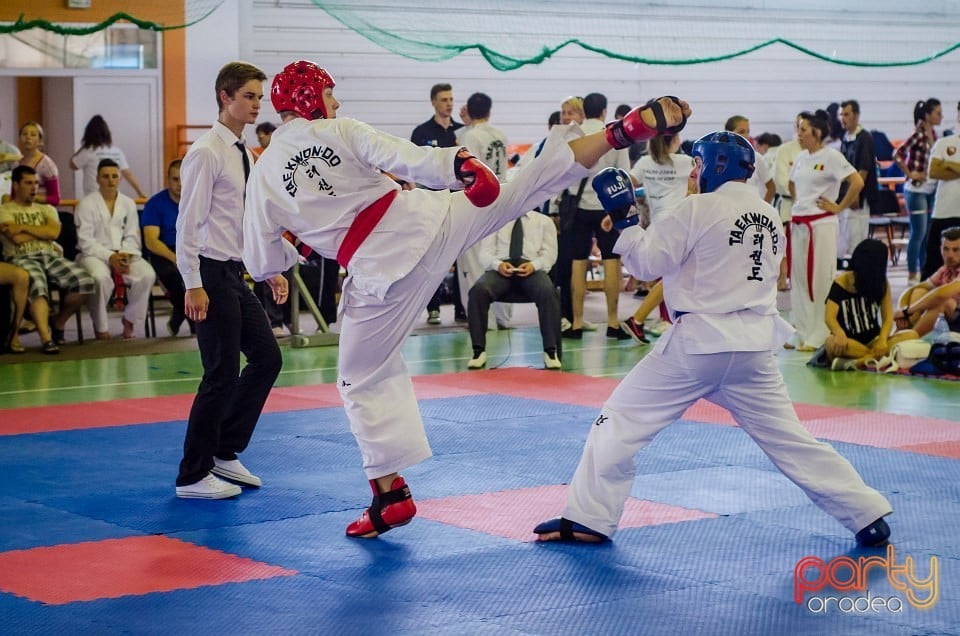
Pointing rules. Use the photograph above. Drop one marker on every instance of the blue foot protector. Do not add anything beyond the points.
(874, 535)
(566, 528)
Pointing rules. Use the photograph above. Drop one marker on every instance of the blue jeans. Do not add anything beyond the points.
(919, 205)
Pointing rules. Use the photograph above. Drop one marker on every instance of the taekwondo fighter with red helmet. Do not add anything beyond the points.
(719, 255)
(322, 178)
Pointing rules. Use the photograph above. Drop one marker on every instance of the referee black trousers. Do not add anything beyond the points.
(229, 401)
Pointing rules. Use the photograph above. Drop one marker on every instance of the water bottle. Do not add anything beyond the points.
(941, 330)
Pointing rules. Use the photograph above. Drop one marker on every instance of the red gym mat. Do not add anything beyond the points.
(512, 514)
(121, 567)
(917, 434)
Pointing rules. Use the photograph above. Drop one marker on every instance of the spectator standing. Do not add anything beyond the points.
(440, 131)
(97, 145)
(588, 224)
(913, 157)
(488, 144)
(857, 146)
(815, 187)
(31, 144)
(945, 168)
(263, 132)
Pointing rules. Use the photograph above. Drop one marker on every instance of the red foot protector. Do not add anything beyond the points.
(388, 510)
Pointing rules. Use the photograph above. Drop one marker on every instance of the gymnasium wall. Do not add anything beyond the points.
(768, 86)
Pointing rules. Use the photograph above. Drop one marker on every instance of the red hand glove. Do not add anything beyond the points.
(625, 132)
(482, 187)
(304, 249)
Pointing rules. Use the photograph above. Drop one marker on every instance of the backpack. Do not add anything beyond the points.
(945, 356)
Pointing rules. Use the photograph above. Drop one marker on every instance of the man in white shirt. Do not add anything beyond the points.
(228, 317)
(944, 166)
(526, 273)
(720, 348)
(108, 241)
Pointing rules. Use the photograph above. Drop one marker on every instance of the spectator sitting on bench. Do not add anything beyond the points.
(28, 231)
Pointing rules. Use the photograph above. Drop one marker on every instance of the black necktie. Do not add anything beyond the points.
(516, 243)
(246, 160)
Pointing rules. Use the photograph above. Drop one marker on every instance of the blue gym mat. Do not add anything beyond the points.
(732, 573)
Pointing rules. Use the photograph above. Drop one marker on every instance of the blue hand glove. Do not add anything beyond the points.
(615, 191)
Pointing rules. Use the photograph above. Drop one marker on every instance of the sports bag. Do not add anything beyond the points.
(909, 352)
(945, 356)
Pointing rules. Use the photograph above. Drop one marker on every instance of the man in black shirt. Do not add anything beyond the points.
(857, 147)
(440, 131)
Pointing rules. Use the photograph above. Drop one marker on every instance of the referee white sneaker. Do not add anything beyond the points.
(233, 470)
(551, 361)
(210, 487)
(478, 361)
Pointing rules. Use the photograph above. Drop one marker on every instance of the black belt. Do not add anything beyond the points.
(232, 266)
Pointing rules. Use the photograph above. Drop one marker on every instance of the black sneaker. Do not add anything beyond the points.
(876, 534)
(56, 336)
(573, 334)
(635, 329)
(617, 333)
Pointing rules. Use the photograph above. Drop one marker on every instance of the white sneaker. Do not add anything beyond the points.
(588, 326)
(478, 361)
(551, 361)
(659, 328)
(433, 317)
(843, 364)
(210, 487)
(565, 324)
(233, 470)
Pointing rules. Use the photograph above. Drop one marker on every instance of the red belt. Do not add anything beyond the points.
(808, 221)
(362, 227)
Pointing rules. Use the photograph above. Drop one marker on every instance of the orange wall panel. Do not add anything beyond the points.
(29, 100)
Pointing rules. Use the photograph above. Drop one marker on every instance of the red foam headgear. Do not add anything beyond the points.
(299, 88)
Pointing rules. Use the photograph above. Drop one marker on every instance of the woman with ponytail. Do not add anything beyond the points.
(815, 183)
(913, 157)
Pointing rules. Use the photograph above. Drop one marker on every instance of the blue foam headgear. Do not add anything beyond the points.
(725, 156)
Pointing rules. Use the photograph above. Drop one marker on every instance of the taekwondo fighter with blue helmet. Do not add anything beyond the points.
(719, 255)
(322, 179)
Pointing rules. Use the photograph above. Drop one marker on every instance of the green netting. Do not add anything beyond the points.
(510, 35)
(194, 11)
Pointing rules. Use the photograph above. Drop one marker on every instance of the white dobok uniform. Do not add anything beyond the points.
(814, 232)
(489, 145)
(99, 235)
(313, 180)
(719, 256)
